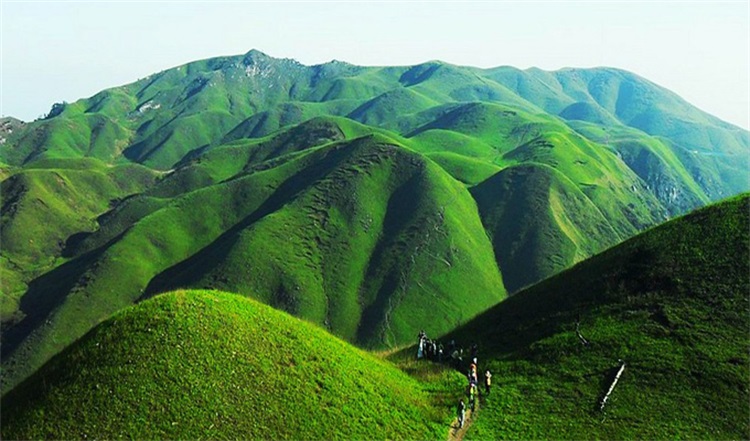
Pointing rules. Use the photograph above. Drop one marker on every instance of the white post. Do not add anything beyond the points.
(612, 387)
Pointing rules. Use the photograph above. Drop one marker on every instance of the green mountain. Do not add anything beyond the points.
(374, 201)
(672, 303)
(358, 236)
(206, 364)
(159, 119)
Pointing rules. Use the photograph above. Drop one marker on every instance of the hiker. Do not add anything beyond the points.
(420, 348)
(472, 396)
(440, 353)
(487, 381)
(461, 413)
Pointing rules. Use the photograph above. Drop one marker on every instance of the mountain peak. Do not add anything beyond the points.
(254, 55)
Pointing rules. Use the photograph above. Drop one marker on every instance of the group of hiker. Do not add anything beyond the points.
(433, 350)
(429, 349)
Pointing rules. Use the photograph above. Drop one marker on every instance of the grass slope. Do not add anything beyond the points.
(672, 303)
(236, 171)
(206, 364)
(378, 234)
(540, 223)
(713, 151)
(45, 206)
(355, 235)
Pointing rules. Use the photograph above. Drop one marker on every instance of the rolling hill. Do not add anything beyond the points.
(355, 235)
(207, 364)
(350, 196)
(672, 303)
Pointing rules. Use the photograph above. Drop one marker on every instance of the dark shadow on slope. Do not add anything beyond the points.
(400, 211)
(73, 242)
(190, 156)
(45, 294)
(512, 204)
(419, 73)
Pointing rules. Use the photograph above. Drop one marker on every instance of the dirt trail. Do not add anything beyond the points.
(456, 434)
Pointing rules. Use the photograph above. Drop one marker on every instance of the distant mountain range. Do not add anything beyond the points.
(374, 201)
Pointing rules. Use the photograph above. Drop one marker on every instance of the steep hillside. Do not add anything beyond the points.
(374, 238)
(206, 364)
(358, 236)
(47, 206)
(671, 303)
(713, 151)
(559, 198)
(540, 223)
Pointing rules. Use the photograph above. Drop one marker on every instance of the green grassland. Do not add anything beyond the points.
(373, 238)
(44, 207)
(207, 364)
(672, 303)
(358, 236)
(370, 200)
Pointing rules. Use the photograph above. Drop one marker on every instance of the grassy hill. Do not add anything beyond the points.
(206, 364)
(356, 235)
(352, 196)
(47, 205)
(379, 232)
(713, 151)
(672, 303)
(540, 223)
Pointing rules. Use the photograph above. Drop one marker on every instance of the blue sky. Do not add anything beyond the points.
(55, 51)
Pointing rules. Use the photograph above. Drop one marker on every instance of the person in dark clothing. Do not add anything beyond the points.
(461, 413)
